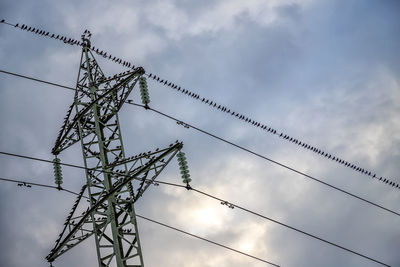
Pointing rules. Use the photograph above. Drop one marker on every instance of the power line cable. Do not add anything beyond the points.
(268, 159)
(88, 169)
(30, 184)
(211, 103)
(254, 123)
(228, 142)
(204, 239)
(232, 205)
(25, 183)
(272, 131)
(71, 41)
(37, 80)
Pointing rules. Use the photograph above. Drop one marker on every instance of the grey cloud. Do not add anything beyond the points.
(323, 72)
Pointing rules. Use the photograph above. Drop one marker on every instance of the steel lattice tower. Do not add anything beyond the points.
(113, 181)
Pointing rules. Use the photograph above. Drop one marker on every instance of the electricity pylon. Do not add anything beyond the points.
(113, 181)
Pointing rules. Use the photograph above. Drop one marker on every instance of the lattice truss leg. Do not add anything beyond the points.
(113, 182)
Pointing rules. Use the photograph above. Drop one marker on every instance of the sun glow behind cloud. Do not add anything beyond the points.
(322, 71)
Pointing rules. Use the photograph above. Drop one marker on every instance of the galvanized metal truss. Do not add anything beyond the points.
(113, 182)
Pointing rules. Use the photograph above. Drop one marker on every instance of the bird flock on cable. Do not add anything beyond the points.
(282, 135)
(72, 41)
(211, 103)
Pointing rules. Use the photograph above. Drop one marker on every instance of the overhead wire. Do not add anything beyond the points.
(86, 168)
(222, 201)
(204, 239)
(29, 184)
(37, 80)
(270, 130)
(151, 220)
(187, 125)
(254, 123)
(71, 41)
(270, 160)
(232, 206)
(212, 103)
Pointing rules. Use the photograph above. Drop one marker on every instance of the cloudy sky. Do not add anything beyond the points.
(326, 72)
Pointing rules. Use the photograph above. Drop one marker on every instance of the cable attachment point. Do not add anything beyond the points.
(184, 169)
(188, 187)
(57, 172)
(144, 92)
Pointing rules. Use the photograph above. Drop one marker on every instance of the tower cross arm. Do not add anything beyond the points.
(125, 87)
(65, 244)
